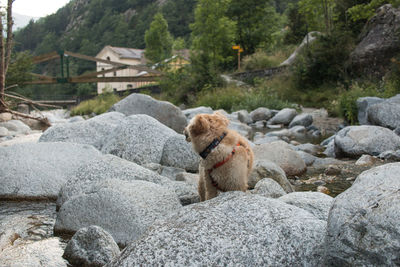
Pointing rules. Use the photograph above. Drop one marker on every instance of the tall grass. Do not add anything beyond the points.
(97, 105)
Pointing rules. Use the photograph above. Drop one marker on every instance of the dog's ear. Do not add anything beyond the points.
(200, 125)
(221, 118)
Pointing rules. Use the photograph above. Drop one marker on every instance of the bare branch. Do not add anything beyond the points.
(9, 40)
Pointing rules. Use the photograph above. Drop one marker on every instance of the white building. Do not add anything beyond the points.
(128, 56)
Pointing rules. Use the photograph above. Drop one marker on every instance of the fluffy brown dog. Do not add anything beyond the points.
(227, 157)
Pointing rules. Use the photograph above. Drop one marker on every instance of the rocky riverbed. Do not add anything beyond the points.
(131, 173)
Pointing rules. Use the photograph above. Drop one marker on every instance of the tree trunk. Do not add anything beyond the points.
(5, 53)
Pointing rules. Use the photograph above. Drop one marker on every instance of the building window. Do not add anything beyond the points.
(108, 58)
(115, 89)
(129, 86)
(103, 74)
(115, 73)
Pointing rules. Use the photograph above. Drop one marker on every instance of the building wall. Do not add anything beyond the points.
(110, 87)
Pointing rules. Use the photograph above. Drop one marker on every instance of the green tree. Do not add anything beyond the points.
(158, 40)
(319, 14)
(213, 34)
(297, 26)
(256, 21)
(19, 68)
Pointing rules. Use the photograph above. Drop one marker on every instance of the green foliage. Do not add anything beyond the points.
(86, 89)
(256, 21)
(365, 11)
(233, 98)
(212, 34)
(158, 40)
(319, 14)
(179, 44)
(297, 25)
(259, 60)
(98, 105)
(19, 68)
(323, 61)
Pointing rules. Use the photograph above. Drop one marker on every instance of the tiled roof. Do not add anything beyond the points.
(124, 52)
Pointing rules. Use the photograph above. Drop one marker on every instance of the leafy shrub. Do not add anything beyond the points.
(97, 105)
(263, 60)
(323, 61)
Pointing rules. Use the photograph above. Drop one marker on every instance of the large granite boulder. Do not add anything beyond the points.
(379, 42)
(191, 112)
(363, 224)
(304, 119)
(163, 111)
(179, 153)
(363, 103)
(16, 127)
(283, 155)
(268, 169)
(139, 138)
(38, 170)
(385, 114)
(92, 132)
(234, 229)
(318, 204)
(125, 209)
(88, 177)
(284, 116)
(91, 247)
(260, 114)
(268, 187)
(354, 141)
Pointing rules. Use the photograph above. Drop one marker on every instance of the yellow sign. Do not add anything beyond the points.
(241, 50)
(236, 47)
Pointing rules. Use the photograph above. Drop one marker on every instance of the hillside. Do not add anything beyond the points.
(86, 26)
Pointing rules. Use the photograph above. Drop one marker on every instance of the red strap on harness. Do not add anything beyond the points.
(219, 164)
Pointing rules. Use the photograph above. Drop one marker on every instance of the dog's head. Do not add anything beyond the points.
(204, 124)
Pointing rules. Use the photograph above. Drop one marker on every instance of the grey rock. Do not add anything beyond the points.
(46, 252)
(246, 235)
(325, 162)
(309, 148)
(3, 131)
(327, 140)
(191, 112)
(125, 209)
(76, 119)
(308, 39)
(5, 116)
(363, 225)
(265, 139)
(281, 133)
(390, 155)
(179, 153)
(16, 127)
(354, 141)
(268, 169)
(163, 111)
(92, 247)
(318, 204)
(268, 187)
(186, 192)
(303, 119)
(385, 114)
(241, 128)
(38, 170)
(379, 43)
(397, 131)
(139, 138)
(190, 178)
(93, 132)
(283, 155)
(308, 158)
(244, 117)
(87, 177)
(330, 149)
(366, 160)
(285, 116)
(363, 103)
(260, 114)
